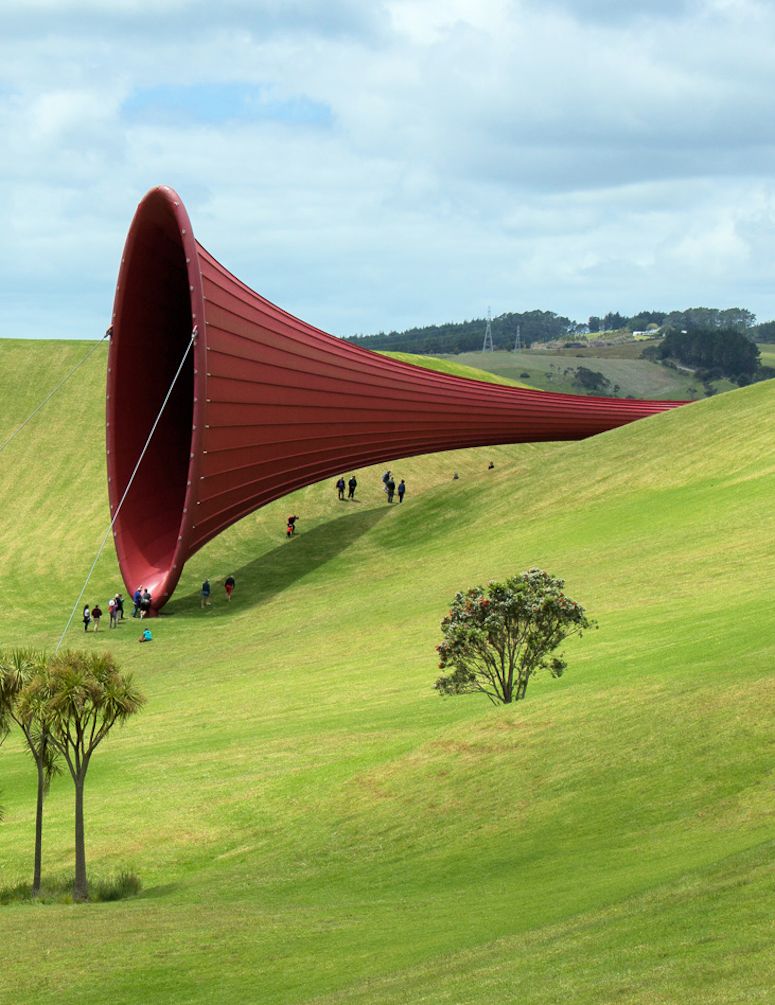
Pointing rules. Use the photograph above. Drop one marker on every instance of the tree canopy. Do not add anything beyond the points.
(77, 698)
(496, 638)
(718, 351)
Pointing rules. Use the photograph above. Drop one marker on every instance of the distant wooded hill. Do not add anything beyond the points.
(546, 326)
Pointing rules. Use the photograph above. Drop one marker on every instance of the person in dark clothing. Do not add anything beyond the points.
(145, 604)
(229, 585)
(137, 596)
(96, 614)
(401, 490)
(391, 489)
(290, 530)
(86, 618)
(119, 607)
(490, 466)
(340, 488)
(204, 594)
(351, 485)
(385, 479)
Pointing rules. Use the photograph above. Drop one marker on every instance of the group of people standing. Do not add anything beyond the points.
(204, 594)
(142, 601)
(390, 487)
(387, 480)
(352, 484)
(93, 615)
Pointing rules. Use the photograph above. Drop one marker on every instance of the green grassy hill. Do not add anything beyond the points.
(767, 353)
(456, 368)
(314, 824)
(638, 378)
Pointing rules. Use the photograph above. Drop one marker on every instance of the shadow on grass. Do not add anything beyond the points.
(277, 570)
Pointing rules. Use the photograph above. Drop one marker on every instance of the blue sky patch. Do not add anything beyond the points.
(213, 104)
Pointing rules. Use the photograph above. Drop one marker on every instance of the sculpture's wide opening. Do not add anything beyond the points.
(152, 330)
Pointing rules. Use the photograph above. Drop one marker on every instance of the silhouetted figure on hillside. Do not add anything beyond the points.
(119, 607)
(490, 466)
(228, 585)
(290, 530)
(391, 489)
(96, 614)
(351, 486)
(340, 488)
(455, 477)
(204, 595)
(385, 479)
(401, 490)
(86, 618)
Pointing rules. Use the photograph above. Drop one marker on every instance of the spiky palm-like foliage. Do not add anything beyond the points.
(79, 697)
(18, 668)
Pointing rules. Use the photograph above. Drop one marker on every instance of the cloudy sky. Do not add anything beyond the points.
(373, 165)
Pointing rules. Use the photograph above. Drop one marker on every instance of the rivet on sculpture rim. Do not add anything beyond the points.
(266, 403)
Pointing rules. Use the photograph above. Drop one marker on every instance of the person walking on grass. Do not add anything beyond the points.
(390, 488)
(351, 486)
(290, 528)
(401, 490)
(113, 617)
(145, 603)
(340, 487)
(86, 618)
(229, 585)
(204, 595)
(96, 614)
(137, 596)
(119, 608)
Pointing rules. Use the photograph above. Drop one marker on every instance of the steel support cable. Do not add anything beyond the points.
(51, 393)
(126, 490)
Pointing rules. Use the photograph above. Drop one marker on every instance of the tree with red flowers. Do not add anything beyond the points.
(499, 636)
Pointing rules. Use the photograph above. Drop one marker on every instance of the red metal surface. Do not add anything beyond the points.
(266, 403)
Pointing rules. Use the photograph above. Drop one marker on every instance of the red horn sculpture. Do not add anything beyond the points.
(266, 404)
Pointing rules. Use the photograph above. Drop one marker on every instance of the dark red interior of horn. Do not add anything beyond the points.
(151, 330)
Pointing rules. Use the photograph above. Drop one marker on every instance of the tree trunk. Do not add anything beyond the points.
(38, 830)
(81, 886)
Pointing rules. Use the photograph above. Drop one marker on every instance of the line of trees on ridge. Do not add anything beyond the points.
(545, 326)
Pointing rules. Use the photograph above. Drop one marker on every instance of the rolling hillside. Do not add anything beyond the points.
(313, 824)
(550, 371)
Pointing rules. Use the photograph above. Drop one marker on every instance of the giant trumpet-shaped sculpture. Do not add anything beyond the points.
(266, 403)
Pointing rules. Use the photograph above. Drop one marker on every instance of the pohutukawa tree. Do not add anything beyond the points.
(499, 636)
(79, 698)
(18, 667)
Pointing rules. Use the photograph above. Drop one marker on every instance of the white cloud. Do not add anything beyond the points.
(568, 156)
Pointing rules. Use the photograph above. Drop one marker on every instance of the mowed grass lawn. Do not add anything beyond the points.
(313, 823)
